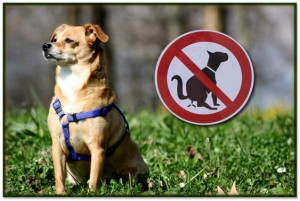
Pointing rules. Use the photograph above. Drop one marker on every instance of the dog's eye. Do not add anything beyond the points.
(53, 40)
(68, 40)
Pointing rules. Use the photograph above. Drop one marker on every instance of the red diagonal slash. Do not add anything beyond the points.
(203, 78)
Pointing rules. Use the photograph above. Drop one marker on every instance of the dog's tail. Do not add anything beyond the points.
(179, 87)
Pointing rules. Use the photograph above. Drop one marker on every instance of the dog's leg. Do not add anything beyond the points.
(59, 163)
(215, 100)
(191, 104)
(206, 106)
(97, 163)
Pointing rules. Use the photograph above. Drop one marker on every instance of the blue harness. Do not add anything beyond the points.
(85, 115)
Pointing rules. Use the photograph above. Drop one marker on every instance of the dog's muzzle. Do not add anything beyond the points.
(46, 47)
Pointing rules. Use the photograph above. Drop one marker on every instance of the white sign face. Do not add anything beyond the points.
(228, 75)
(204, 77)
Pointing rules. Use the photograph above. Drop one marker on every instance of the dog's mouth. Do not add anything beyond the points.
(51, 56)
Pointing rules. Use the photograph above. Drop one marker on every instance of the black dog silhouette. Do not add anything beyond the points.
(195, 89)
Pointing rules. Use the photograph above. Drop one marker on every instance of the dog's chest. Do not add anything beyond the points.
(70, 83)
(68, 86)
(210, 74)
(77, 136)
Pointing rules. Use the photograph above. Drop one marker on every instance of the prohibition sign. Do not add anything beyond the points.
(176, 52)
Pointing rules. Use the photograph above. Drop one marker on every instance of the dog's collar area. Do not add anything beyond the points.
(211, 69)
(75, 117)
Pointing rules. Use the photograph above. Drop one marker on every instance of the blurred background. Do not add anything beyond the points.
(138, 34)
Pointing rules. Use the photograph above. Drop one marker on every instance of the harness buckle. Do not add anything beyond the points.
(74, 117)
(58, 110)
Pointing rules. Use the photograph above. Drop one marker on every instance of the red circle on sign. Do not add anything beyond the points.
(175, 48)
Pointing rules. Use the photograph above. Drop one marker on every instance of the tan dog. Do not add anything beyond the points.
(81, 86)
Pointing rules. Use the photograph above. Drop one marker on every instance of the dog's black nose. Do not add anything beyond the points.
(46, 46)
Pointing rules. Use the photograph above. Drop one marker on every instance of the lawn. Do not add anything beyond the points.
(255, 151)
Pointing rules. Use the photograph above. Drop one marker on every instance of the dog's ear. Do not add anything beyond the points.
(209, 53)
(59, 29)
(94, 32)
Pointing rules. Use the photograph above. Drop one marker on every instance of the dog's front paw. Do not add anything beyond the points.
(60, 191)
(92, 189)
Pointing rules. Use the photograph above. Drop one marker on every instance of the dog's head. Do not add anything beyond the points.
(70, 45)
(216, 58)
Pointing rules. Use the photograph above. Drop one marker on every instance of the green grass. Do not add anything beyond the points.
(248, 149)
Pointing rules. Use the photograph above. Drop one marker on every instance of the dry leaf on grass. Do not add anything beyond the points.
(232, 191)
(200, 157)
(192, 152)
(181, 185)
(151, 183)
(181, 174)
(41, 161)
(220, 191)
(205, 175)
(161, 184)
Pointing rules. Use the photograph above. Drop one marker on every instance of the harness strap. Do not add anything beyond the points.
(81, 116)
(124, 118)
(111, 150)
(58, 109)
(73, 155)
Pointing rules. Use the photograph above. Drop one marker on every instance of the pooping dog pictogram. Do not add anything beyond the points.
(195, 89)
